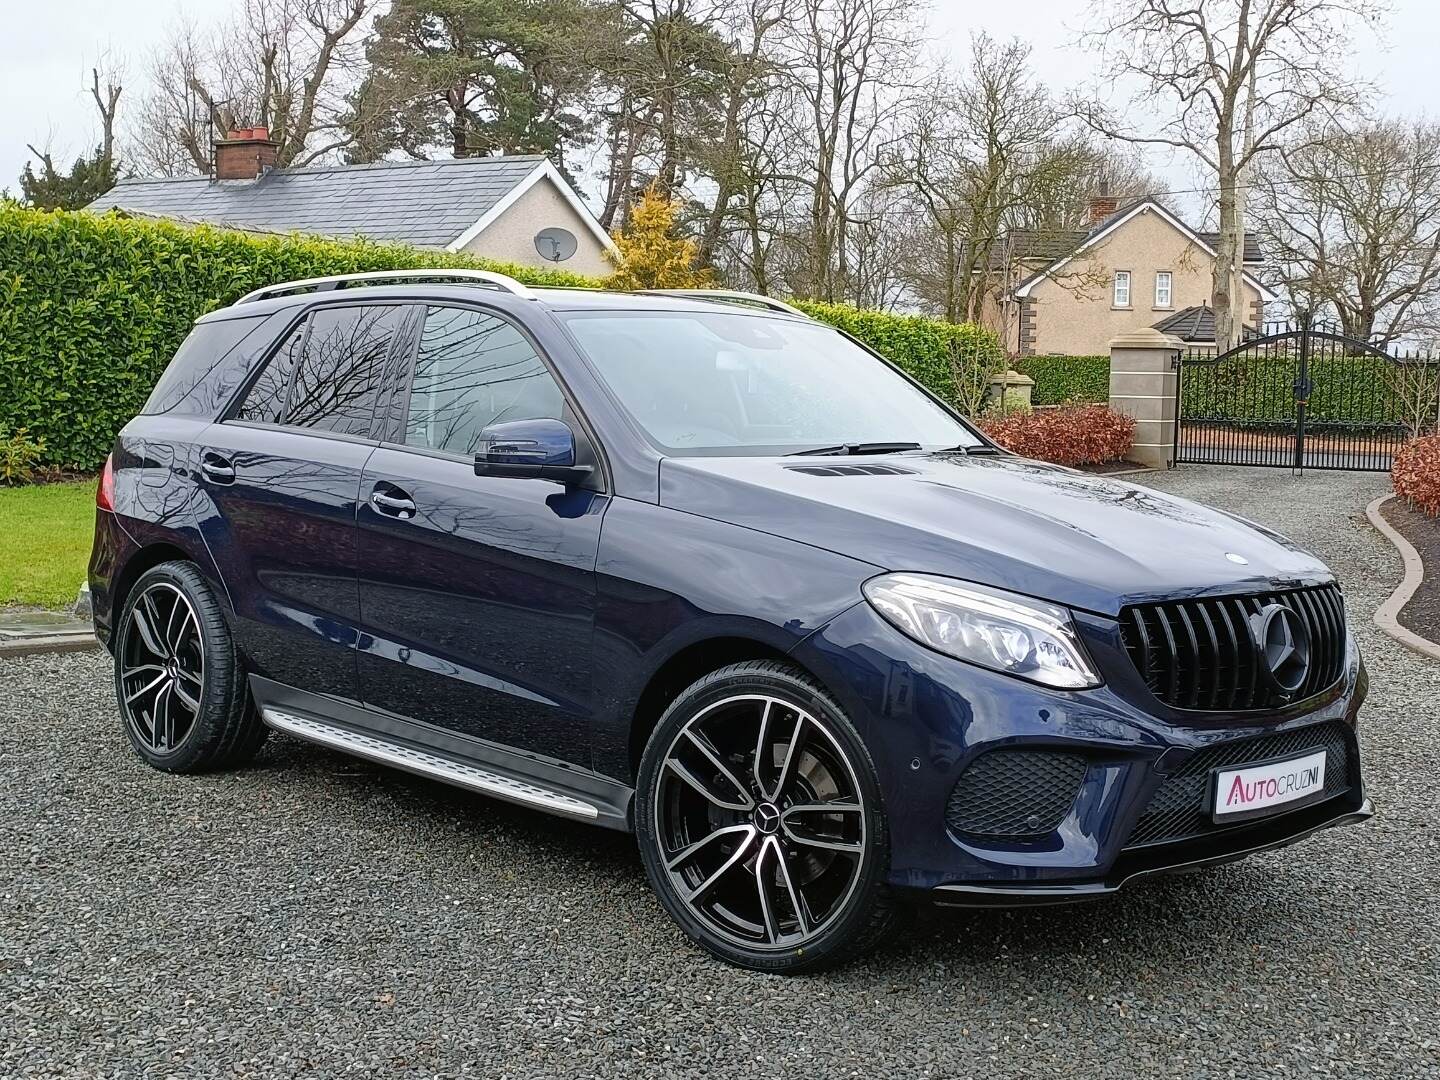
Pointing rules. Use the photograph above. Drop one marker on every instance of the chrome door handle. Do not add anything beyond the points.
(217, 469)
(393, 505)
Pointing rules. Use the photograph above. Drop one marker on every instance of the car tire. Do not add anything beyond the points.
(179, 682)
(729, 831)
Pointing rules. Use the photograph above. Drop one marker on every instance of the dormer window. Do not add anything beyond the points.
(1164, 294)
(1122, 289)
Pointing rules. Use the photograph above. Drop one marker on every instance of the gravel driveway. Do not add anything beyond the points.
(315, 916)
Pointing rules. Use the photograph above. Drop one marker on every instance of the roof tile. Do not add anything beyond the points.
(427, 203)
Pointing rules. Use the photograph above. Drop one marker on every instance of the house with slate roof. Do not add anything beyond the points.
(515, 209)
(1133, 266)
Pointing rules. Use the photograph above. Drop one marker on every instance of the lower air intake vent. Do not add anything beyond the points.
(1015, 794)
(1180, 807)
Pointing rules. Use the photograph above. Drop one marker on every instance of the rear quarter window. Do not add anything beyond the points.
(326, 373)
(188, 386)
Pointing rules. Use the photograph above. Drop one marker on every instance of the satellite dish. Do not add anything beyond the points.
(555, 245)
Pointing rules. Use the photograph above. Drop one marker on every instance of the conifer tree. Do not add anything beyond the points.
(652, 254)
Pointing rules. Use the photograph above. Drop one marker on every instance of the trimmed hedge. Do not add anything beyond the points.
(1415, 474)
(1345, 390)
(929, 350)
(92, 308)
(1061, 380)
(1070, 435)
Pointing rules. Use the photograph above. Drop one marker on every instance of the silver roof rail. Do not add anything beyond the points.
(376, 277)
(729, 296)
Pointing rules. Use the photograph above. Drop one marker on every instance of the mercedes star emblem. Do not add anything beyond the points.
(1283, 642)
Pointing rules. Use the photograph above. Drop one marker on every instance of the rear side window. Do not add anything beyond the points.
(474, 369)
(327, 372)
(265, 403)
(338, 374)
(206, 345)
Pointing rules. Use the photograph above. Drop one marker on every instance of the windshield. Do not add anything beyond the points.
(727, 383)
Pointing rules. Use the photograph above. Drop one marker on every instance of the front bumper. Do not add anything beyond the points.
(1196, 854)
(926, 718)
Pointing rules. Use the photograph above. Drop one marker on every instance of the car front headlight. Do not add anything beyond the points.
(990, 627)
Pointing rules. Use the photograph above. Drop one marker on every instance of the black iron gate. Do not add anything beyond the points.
(1304, 398)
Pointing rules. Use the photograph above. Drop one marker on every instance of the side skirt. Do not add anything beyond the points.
(487, 768)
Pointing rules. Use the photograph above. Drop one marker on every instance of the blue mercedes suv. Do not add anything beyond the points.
(699, 568)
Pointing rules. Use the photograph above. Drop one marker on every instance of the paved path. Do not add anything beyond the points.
(25, 632)
(314, 916)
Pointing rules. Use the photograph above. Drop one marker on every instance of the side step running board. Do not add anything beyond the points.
(426, 764)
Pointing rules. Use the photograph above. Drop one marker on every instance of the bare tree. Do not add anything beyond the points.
(284, 64)
(766, 206)
(985, 153)
(107, 104)
(1114, 169)
(1351, 222)
(731, 156)
(1238, 75)
(92, 174)
(845, 59)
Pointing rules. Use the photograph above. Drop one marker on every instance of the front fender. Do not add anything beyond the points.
(652, 604)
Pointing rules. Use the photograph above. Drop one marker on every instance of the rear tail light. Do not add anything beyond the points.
(105, 490)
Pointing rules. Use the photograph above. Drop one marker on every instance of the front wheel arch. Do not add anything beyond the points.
(680, 671)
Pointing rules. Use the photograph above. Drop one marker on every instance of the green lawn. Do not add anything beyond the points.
(45, 534)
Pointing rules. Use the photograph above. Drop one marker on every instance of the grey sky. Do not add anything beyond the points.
(45, 60)
(1400, 61)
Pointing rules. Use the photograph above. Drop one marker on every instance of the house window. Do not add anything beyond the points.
(1162, 289)
(1122, 288)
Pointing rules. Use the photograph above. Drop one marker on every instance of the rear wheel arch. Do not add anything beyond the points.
(150, 556)
(144, 559)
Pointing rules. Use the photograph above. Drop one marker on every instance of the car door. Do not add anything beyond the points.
(477, 593)
(281, 479)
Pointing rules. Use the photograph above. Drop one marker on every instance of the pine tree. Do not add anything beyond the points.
(652, 255)
(479, 77)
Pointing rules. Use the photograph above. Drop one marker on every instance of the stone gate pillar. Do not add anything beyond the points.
(1144, 372)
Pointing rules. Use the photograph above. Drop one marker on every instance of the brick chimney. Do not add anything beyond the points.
(244, 154)
(1102, 205)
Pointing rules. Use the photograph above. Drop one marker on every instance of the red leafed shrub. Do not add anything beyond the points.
(1416, 474)
(1079, 435)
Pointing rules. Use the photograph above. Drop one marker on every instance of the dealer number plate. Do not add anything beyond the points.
(1253, 790)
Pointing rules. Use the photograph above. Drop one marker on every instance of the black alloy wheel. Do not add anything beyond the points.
(178, 678)
(161, 668)
(760, 822)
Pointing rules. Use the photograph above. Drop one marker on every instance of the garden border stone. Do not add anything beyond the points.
(1387, 614)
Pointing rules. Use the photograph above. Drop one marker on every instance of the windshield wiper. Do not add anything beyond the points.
(853, 448)
(977, 448)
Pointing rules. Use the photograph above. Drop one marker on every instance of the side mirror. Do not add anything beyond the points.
(541, 449)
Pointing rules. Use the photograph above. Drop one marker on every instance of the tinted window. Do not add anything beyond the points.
(472, 370)
(338, 373)
(207, 344)
(725, 383)
(265, 403)
(217, 389)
